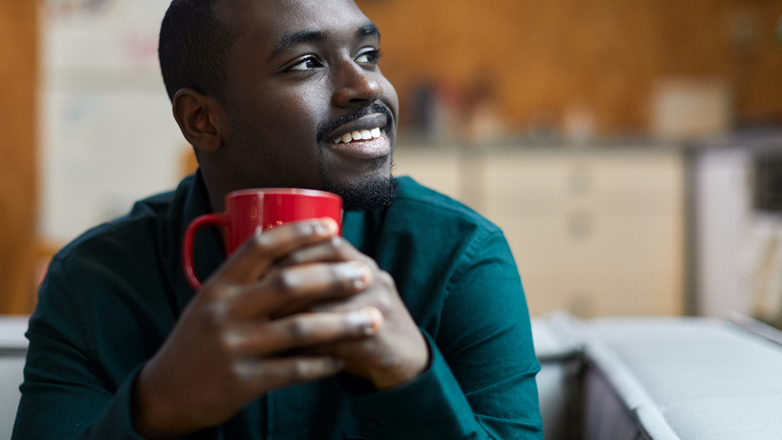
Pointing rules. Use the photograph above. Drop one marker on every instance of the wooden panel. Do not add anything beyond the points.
(18, 192)
(540, 58)
(593, 294)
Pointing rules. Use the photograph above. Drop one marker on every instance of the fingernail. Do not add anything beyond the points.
(363, 320)
(329, 225)
(319, 228)
(369, 319)
(354, 273)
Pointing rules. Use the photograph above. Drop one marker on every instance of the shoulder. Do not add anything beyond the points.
(148, 233)
(145, 221)
(427, 232)
(425, 209)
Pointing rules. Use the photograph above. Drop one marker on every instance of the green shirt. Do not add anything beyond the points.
(113, 295)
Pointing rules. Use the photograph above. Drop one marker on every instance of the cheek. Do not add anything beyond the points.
(390, 93)
(292, 117)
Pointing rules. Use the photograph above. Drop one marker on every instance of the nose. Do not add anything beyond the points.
(355, 87)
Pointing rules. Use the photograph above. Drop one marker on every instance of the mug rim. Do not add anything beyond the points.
(302, 191)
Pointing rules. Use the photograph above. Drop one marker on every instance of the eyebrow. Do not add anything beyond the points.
(368, 30)
(292, 39)
(287, 41)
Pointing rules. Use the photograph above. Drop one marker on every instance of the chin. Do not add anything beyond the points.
(372, 193)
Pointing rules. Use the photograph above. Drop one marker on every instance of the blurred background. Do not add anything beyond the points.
(630, 150)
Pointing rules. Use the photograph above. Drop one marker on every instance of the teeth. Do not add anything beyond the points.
(359, 135)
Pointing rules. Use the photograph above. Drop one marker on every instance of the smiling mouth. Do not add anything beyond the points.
(358, 135)
(362, 144)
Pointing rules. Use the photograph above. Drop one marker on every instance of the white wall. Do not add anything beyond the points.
(108, 136)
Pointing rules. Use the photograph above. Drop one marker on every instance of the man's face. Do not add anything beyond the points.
(302, 79)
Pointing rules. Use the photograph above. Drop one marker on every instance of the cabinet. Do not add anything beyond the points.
(596, 231)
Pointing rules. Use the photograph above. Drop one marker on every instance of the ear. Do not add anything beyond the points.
(201, 119)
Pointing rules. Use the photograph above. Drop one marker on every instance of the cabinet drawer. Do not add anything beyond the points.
(548, 184)
(583, 242)
(604, 293)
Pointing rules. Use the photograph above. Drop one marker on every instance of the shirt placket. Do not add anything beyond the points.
(287, 414)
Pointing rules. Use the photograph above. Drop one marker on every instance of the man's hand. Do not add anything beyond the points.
(398, 352)
(226, 349)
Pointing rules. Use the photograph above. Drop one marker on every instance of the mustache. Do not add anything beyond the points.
(358, 113)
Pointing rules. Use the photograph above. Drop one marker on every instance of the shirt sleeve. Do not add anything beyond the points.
(66, 394)
(481, 381)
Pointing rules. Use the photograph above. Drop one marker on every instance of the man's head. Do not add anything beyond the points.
(266, 89)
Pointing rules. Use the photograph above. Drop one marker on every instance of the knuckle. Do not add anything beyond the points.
(284, 282)
(260, 243)
(337, 242)
(302, 229)
(300, 369)
(384, 303)
(385, 279)
(298, 330)
(230, 342)
(337, 273)
(214, 315)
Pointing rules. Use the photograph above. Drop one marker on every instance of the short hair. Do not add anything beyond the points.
(193, 46)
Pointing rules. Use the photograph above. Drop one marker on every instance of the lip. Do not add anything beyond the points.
(364, 149)
(368, 122)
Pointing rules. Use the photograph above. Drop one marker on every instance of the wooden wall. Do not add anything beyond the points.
(545, 56)
(538, 57)
(18, 160)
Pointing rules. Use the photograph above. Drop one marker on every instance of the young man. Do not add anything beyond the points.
(412, 326)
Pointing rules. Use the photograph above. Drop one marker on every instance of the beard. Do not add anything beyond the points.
(369, 194)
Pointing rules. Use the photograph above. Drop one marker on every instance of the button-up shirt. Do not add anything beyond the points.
(113, 295)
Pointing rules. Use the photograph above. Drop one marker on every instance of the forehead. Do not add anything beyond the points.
(266, 21)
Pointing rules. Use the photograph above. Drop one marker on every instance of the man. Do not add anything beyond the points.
(412, 326)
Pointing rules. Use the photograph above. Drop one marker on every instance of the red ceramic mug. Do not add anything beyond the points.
(248, 210)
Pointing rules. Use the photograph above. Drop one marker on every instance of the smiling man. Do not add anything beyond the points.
(412, 326)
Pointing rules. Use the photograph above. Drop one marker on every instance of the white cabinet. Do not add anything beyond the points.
(595, 231)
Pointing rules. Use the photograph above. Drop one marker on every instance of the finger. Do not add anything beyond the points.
(271, 374)
(382, 294)
(259, 252)
(334, 249)
(291, 288)
(303, 330)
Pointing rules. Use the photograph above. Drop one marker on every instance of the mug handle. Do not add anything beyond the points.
(220, 219)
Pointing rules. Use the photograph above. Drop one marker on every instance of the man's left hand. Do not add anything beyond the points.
(398, 352)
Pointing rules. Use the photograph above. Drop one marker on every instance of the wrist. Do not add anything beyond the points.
(148, 412)
(403, 373)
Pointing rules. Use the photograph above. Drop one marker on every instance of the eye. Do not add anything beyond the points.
(369, 57)
(306, 64)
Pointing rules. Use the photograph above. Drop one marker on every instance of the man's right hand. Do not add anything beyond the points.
(226, 350)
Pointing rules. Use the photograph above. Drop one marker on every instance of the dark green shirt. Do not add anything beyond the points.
(113, 295)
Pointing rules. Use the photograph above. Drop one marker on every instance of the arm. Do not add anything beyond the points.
(65, 390)
(480, 382)
(223, 351)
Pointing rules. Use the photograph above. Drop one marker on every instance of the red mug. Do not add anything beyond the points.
(248, 210)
